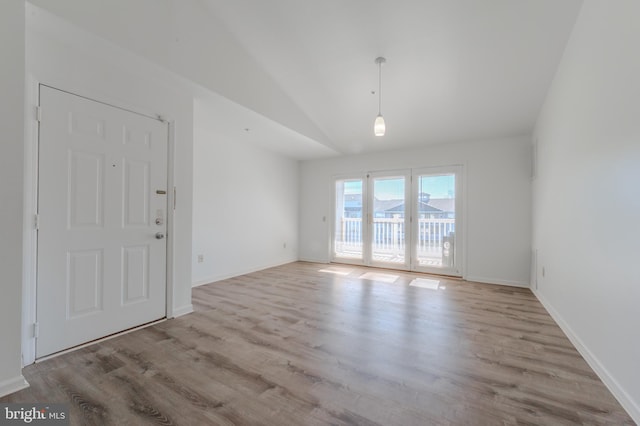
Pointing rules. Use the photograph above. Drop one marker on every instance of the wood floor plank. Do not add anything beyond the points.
(315, 344)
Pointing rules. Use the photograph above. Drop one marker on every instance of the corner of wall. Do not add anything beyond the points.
(610, 382)
(13, 385)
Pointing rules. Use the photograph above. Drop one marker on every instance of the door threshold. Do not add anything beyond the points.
(100, 340)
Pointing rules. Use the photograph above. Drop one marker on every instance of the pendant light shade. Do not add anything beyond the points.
(378, 126)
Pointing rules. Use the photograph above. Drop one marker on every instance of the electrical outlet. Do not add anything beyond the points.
(200, 258)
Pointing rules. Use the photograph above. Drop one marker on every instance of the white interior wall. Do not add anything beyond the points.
(184, 37)
(245, 203)
(63, 56)
(497, 205)
(587, 198)
(12, 40)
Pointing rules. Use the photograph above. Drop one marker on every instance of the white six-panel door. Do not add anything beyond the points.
(102, 209)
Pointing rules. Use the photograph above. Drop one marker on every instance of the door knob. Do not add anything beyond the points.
(159, 235)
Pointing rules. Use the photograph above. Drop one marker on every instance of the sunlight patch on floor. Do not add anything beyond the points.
(376, 276)
(426, 283)
(336, 271)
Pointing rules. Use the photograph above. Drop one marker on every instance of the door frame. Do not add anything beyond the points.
(30, 204)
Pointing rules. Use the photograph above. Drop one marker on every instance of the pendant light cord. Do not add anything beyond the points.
(379, 87)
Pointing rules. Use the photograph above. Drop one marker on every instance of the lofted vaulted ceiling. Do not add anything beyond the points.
(301, 73)
(456, 69)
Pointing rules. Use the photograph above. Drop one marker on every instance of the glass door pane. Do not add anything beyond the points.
(436, 225)
(389, 213)
(348, 229)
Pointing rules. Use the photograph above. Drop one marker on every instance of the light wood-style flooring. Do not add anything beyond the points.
(315, 344)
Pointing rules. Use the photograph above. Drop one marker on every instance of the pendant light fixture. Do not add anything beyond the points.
(379, 126)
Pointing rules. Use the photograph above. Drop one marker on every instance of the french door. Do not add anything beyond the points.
(407, 219)
(350, 213)
(388, 219)
(437, 220)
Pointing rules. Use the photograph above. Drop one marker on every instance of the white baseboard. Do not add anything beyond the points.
(13, 385)
(632, 407)
(212, 279)
(183, 310)
(215, 278)
(308, 259)
(496, 281)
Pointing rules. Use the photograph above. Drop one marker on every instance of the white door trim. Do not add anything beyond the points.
(30, 203)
